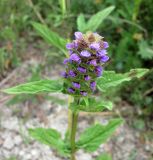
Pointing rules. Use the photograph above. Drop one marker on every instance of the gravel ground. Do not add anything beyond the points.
(14, 139)
(16, 119)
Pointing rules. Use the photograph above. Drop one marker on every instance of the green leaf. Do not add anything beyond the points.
(112, 79)
(50, 137)
(104, 156)
(36, 87)
(95, 21)
(93, 136)
(81, 23)
(92, 105)
(145, 51)
(50, 36)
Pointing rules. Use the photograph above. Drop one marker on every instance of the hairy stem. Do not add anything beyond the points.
(73, 133)
(74, 120)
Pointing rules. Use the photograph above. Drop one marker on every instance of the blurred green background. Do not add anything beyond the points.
(128, 29)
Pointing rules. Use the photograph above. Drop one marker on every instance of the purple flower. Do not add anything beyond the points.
(76, 84)
(104, 58)
(98, 71)
(87, 78)
(78, 35)
(101, 52)
(85, 54)
(64, 74)
(95, 46)
(75, 57)
(71, 73)
(76, 44)
(65, 61)
(71, 90)
(105, 44)
(70, 52)
(83, 93)
(93, 85)
(70, 45)
(93, 62)
(81, 69)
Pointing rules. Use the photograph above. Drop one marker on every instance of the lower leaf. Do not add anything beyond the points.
(51, 138)
(97, 134)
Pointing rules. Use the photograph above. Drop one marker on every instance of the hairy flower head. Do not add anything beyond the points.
(87, 55)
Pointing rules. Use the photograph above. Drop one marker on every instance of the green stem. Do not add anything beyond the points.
(74, 120)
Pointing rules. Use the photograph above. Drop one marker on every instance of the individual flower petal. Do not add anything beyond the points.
(75, 57)
(76, 85)
(65, 61)
(85, 54)
(64, 74)
(93, 85)
(99, 71)
(72, 73)
(87, 78)
(104, 58)
(93, 62)
(101, 52)
(71, 90)
(75, 44)
(70, 45)
(83, 93)
(78, 35)
(95, 46)
(105, 45)
(70, 52)
(81, 69)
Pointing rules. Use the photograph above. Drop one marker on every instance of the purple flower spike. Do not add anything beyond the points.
(72, 74)
(93, 85)
(76, 85)
(87, 78)
(101, 53)
(85, 54)
(75, 57)
(64, 74)
(81, 69)
(83, 93)
(95, 46)
(71, 90)
(104, 58)
(105, 44)
(78, 35)
(65, 61)
(70, 45)
(93, 62)
(98, 70)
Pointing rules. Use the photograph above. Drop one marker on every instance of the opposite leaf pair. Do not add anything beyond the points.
(89, 140)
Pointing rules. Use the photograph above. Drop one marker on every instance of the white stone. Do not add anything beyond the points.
(6, 153)
(83, 156)
(28, 156)
(35, 153)
(10, 123)
(21, 153)
(8, 143)
(17, 140)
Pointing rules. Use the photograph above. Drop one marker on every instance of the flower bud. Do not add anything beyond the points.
(76, 85)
